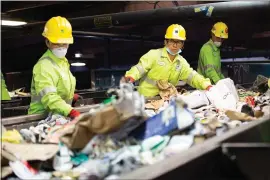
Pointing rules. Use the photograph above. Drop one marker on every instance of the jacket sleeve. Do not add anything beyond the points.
(208, 64)
(221, 76)
(45, 79)
(193, 78)
(4, 90)
(142, 68)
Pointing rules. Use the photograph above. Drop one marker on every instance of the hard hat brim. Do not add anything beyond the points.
(58, 40)
(182, 39)
(226, 36)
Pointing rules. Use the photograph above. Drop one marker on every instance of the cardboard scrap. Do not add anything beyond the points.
(107, 120)
(5, 171)
(30, 152)
(233, 115)
(154, 104)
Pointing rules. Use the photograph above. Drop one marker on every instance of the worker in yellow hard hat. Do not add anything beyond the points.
(53, 85)
(209, 64)
(165, 64)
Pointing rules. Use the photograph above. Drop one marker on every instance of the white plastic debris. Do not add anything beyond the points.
(62, 160)
(177, 144)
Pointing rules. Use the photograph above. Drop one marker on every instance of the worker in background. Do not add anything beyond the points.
(53, 85)
(209, 64)
(4, 91)
(165, 64)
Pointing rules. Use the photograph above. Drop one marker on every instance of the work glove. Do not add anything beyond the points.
(128, 102)
(209, 87)
(76, 98)
(127, 79)
(74, 113)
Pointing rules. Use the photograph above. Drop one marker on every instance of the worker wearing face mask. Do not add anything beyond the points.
(165, 64)
(53, 85)
(209, 64)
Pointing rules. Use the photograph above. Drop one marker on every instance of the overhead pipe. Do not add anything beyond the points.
(116, 37)
(159, 16)
(180, 13)
(175, 14)
(101, 34)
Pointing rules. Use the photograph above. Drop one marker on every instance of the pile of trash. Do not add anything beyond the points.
(125, 133)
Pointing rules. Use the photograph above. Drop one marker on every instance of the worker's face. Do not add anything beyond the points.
(51, 45)
(59, 50)
(174, 45)
(217, 40)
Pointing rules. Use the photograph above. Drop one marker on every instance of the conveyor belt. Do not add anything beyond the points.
(28, 120)
(206, 160)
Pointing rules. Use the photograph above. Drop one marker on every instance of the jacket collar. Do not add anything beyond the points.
(214, 47)
(56, 59)
(164, 54)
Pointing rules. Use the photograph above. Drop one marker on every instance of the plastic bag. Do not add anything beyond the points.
(223, 95)
(196, 99)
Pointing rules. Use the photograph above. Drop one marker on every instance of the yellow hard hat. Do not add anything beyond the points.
(176, 31)
(269, 82)
(220, 30)
(58, 30)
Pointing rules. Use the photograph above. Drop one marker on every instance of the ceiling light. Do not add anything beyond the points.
(78, 64)
(12, 23)
(78, 55)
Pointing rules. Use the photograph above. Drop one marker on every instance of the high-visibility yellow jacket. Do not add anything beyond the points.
(209, 64)
(52, 87)
(4, 91)
(156, 65)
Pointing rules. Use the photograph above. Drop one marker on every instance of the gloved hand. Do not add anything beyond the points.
(74, 113)
(76, 97)
(209, 87)
(129, 102)
(127, 79)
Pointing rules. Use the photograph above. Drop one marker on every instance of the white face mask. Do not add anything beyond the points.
(169, 51)
(60, 52)
(218, 44)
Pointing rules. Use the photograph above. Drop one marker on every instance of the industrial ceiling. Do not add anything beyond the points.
(125, 30)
